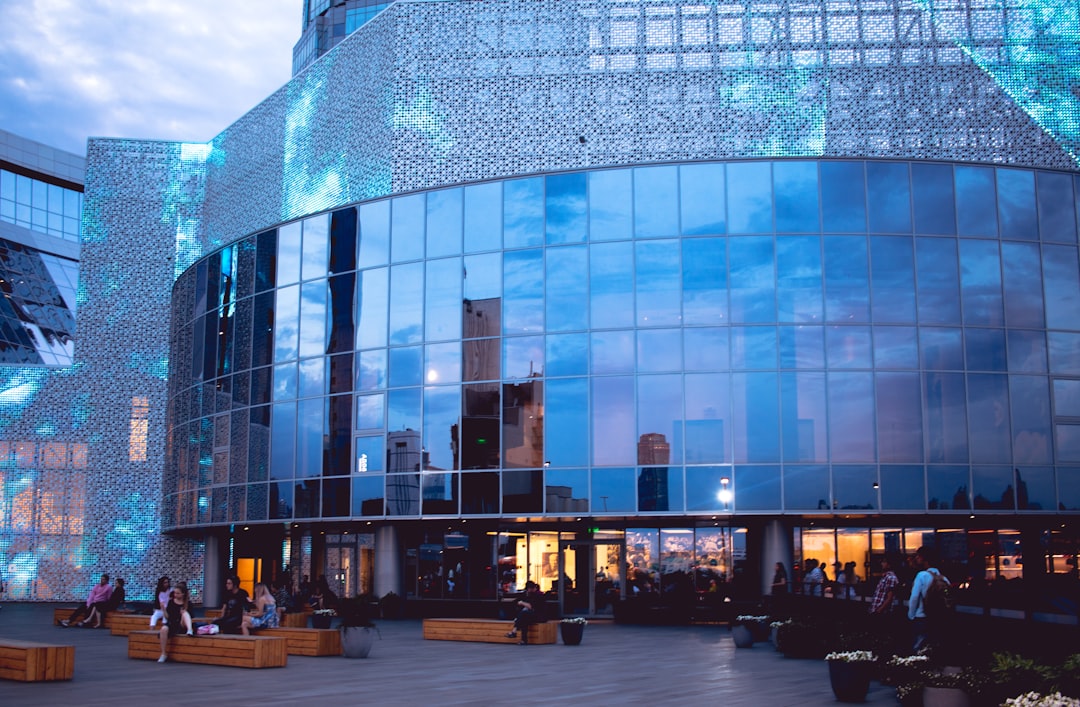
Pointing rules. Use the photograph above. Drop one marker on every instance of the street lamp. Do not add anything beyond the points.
(724, 494)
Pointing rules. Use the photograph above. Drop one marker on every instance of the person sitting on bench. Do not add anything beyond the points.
(530, 611)
(100, 608)
(101, 592)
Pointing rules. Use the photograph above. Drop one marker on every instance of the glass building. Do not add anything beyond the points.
(621, 296)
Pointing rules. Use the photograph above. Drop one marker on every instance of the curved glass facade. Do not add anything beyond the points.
(753, 337)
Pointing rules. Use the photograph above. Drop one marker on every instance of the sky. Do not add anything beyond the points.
(179, 70)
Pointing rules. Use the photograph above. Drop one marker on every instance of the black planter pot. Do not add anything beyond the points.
(320, 621)
(850, 681)
(571, 633)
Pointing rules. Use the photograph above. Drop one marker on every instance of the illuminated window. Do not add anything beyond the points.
(140, 427)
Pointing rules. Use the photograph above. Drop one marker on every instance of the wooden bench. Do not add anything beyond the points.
(307, 641)
(235, 651)
(27, 661)
(290, 620)
(61, 613)
(484, 631)
(123, 624)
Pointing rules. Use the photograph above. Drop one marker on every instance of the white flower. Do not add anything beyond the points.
(853, 656)
(1034, 699)
(908, 661)
(778, 624)
(748, 617)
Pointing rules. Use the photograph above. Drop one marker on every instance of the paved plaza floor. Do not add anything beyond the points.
(615, 664)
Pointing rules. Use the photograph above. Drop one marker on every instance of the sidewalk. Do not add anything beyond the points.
(615, 664)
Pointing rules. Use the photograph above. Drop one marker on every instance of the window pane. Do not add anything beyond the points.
(843, 197)
(847, 282)
(932, 189)
(283, 441)
(1057, 213)
(701, 188)
(613, 421)
(895, 347)
(993, 488)
(752, 283)
(659, 423)
(659, 489)
(941, 349)
(1016, 203)
(803, 421)
(756, 488)
(656, 206)
(316, 251)
(756, 417)
(937, 275)
(370, 454)
(374, 234)
(1029, 399)
(749, 197)
(798, 277)
(373, 304)
(567, 287)
(609, 205)
(611, 279)
(893, 277)
(442, 415)
(480, 493)
(286, 323)
(903, 488)
(288, 254)
(888, 196)
(442, 310)
(659, 294)
(407, 303)
(407, 227)
(312, 337)
(1061, 280)
(613, 491)
(948, 488)
(704, 281)
(566, 490)
(988, 405)
(567, 355)
(523, 297)
(483, 217)
(899, 417)
(802, 346)
(976, 212)
(980, 283)
(566, 422)
(985, 350)
(853, 488)
(848, 346)
(708, 419)
(806, 488)
(1023, 285)
(523, 212)
(796, 187)
(367, 496)
(1035, 489)
(442, 363)
(946, 421)
(567, 217)
(851, 417)
(523, 431)
(444, 217)
(406, 366)
(612, 352)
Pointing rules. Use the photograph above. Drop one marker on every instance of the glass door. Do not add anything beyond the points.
(593, 576)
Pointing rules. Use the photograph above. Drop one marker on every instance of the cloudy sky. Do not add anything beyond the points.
(159, 69)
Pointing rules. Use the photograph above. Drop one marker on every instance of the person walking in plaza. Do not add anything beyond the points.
(177, 618)
(883, 603)
(100, 593)
(924, 625)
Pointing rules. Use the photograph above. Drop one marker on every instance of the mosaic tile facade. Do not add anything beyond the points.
(437, 93)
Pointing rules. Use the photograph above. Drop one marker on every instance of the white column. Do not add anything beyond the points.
(776, 546)
(388, 562)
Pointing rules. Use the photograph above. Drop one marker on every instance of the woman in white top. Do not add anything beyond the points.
(162, 595)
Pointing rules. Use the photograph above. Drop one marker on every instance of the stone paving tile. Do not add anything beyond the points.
(615, 664)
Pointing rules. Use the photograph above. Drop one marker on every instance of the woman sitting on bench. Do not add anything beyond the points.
(177, 618)
(265, 614)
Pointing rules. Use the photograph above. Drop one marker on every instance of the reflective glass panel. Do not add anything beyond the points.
(976, 210)
(613, 421)
(367, 496)
(796, 187)
(993, 488)
(407, 227)
(567, 288)
(1016, 204)
(288, 254)
(567, 217)
(888, 197)
(374, 248)
(406, 303)
(853, 488)
(283, 441)
(756, 488)
(932, 189)
(941, 349)
(937, 275)
(402, 493)
(701, 189)
(1029, 400)
(1064, 351)
(798, 279)
(1027, 351)
(659, 350)
(806, 488)
(753, 347)
(708, 418)
(316, 250)
(480, 493)
(442, 302)
(567, 355)
(1035, 489)
(523, 491)
(1022, 279)
(284, 381)
(802, 346)
(902, 488)
(402, 422)
(286, 323)
(371, 370)
(523, 296)
(657, 272)
(480, 430)
(313, 376)
(752, 279)
(444, 220)
(843, 197)
(370, 455)
(313, 318)
(704, 281)
(1061, 280)
(985, 349)
(893, 278)
(372, 291)
(948, 488)
(756, 416)
(848, 346)
(611, 282)
(704, 489)
(946, 422)
(660, 411)
(523, 212)
(406, 366)
(749, 197)
(311, 436)
(899, 417)
(439, 493)
(523, 357)
(660, 489)
(566, 422)
(613, 491)
(705, 349)
(1057, 213)
(483, 217)
(523, 424)
(847, 282)
(442, 363)
(656, 202)
(851, 417)
(988, 411)
(980, 282)
(609, 205)
(803, 419)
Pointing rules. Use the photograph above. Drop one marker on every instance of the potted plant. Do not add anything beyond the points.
(951, 689)
(774, 629)
(903, 670)
(849, 674)
(742, 631)
(1035, 699)
(357, 629)
(320, 618)
(391, 605)
(572, 630)
(802, 639)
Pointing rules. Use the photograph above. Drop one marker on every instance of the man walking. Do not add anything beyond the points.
(924, 627)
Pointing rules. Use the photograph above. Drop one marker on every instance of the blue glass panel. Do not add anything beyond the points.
(403, 424)
(371, 370)
(1027, 351)
(757, 488)
(310, 438)
(704, 281)
(567, 355)
(1064, 349)
(402, 491)
(341, 313)
(367, 496)
(407, 227)
(701, 190)
(283, 441)
(1067, 439)
(749, 197)
(660, 416)
(851, 417)
(888, 197)
(442, 302)
(895, 347)
(752, 280)
(848, 347)
(796, 187)
(442, 363)
(753, 347)
(523, 294)
(1066, 398)
(481, 432)
(903, 488)
(567, 288)
(993, 488)
(803, 418)
(941, 349)
(656, 202)
(370, 455)
(523, 212)
(985, 349)
(1061, 280)
(980, 283)
(659, 350)
(708, 418)
(442, 417)
(899, 417)
(374, 246)
(567, 217)
(798, 279)
(609, 205)
(480, 493)
(372, 292)
(336, 498)
(1034, 489)
(853, 488)
(613, 491)
(444, 221)
(932, 189)
(756, 418)
(976, 209)
(946, 420)
(406, 366)
(938, 278)
(288, 254)
(483, 290)
(284, 381)
(612, 352)
(1023, 285)
(659, 292)
(704, 488)
(948, 488)
(566, 422)
(613, 421)
(566, 491)
(257, 499)
(316, 251)
(1016, 203)
(806, 488)
(611, 279)
(893, 280)
(523, 357)
(988, 412)
(660, 489)
(707, 349)
(286, 323)
(802, 346)
(1057, 212)
(312, 379)
(843, 197)
(847, 281)
(406, 303)
(1029, 399)
(483, 217)
(313, 322)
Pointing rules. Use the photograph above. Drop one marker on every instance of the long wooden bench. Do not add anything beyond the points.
(291, 620)
(235, 651)
(27, 661)
(484, 631)
(61, 613)
(123, 624)
(307, 641)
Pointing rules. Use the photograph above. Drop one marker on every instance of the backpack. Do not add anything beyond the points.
(939, 599)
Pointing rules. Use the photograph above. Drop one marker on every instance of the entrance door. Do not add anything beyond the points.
(595, 576)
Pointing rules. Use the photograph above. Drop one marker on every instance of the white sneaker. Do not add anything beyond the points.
(161, 659)
(190, 633)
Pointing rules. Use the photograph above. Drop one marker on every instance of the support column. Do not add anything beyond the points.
(212, 579)
(388, 562)
(776, 546)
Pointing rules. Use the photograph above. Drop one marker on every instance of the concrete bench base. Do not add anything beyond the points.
(307, 641)
(484, 631)
(27, 661)
(234, 651)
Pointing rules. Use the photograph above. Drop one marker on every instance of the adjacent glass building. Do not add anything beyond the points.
(626, 297)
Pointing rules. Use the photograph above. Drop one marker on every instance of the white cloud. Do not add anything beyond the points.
(163, 69)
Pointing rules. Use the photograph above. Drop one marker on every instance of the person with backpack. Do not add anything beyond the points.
(929, 599)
